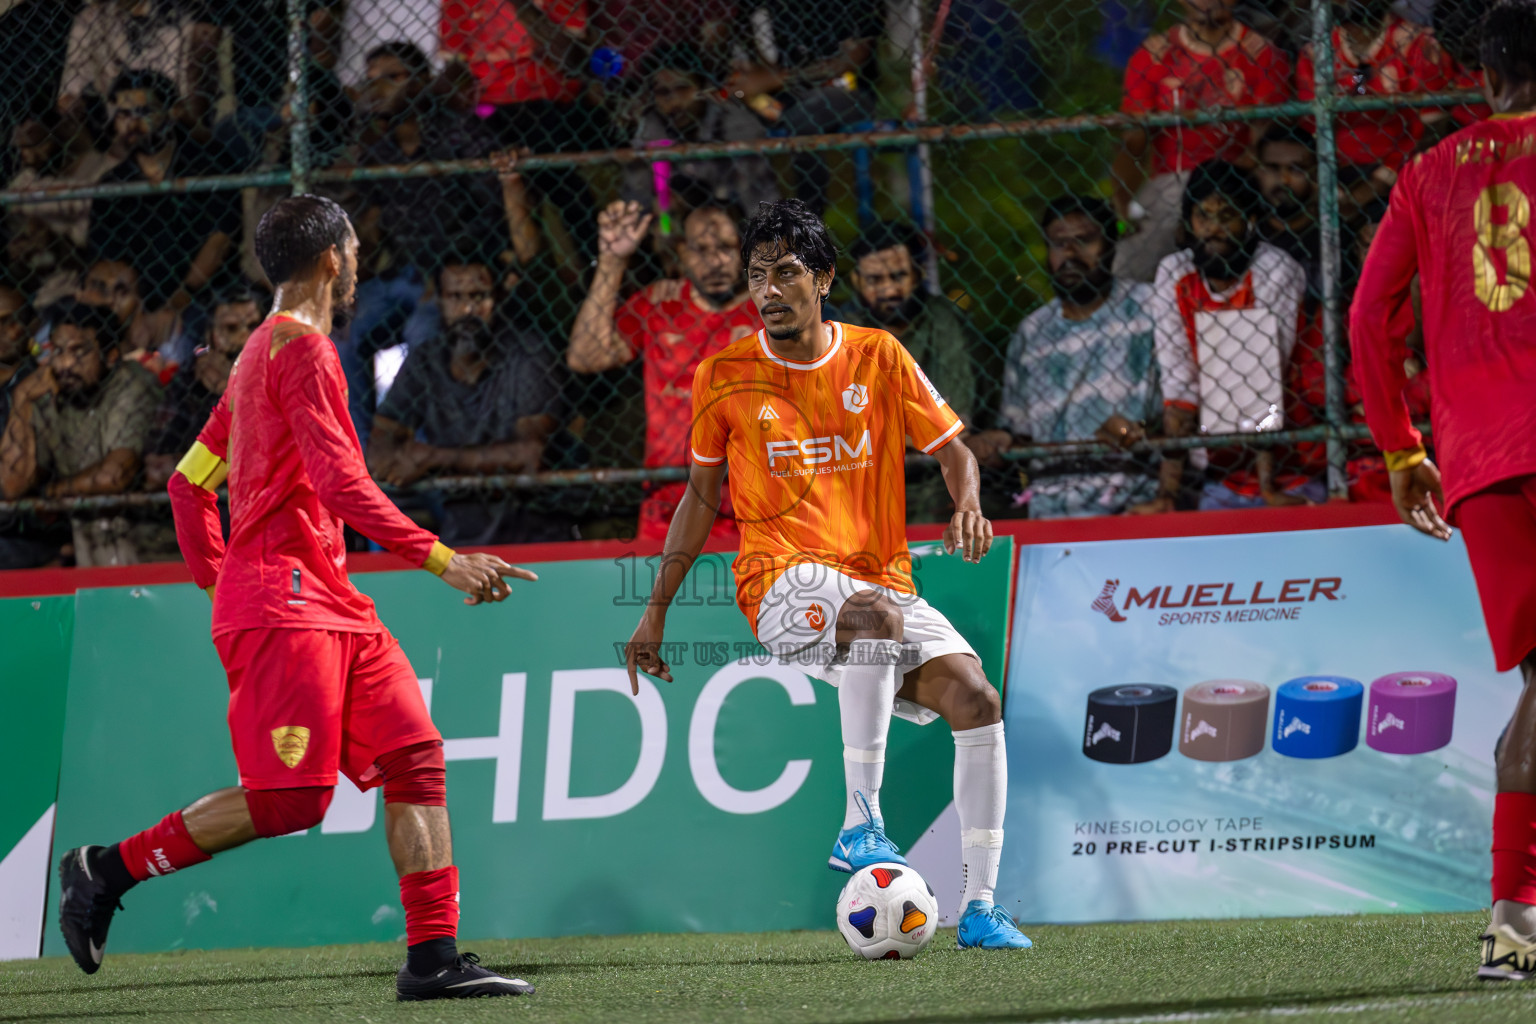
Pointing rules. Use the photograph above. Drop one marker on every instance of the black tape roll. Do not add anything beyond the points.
(1130, 724)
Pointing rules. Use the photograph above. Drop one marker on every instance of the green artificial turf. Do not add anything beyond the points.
(1356, 969)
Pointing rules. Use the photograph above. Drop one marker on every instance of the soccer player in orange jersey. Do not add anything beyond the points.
(316, 683)
(813, 419)
(1460, 222)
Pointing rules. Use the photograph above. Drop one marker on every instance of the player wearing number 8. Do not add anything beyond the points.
(1460, 220)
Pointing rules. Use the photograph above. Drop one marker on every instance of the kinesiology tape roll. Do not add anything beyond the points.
(1224, 720)
(1317, 716)
(1130, 724)
(1411, 712)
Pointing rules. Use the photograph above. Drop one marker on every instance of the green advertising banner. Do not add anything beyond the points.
(576, 809)
(36, 635)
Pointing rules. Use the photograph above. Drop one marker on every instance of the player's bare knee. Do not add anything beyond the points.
(869, 615)
(974, 703)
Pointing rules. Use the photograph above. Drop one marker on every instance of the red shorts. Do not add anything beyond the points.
(660, 504)
(1499, 527)
(305, 702)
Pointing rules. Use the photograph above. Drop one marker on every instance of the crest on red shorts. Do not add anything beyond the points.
(290, 741)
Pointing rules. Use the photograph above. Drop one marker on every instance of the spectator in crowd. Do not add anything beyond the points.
(115, 285)
(200, 382)
(408, 222)
(1082, 367)
(369, 24)
(180, 241)
(78, 426)
(1207, 60)
(482, 397)
(111, 37)
(44, 252)
(813, 71)
(682, 110)
(526, 55)
(1377, 52)
(1225, 317)
(16, 360)
(1287, 176)
(889, 293)
(25, 541)
(671, 324)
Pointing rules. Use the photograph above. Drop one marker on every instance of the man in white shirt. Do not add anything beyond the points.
(1225, 316)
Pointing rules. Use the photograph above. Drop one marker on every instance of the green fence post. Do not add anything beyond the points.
(1328, 217)
(298, 103)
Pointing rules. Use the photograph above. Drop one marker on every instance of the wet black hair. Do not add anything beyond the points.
(788, 227)
(1509, 41)
(294, 234)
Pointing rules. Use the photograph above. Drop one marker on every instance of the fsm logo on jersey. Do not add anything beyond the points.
(807, 456)
(1193, 604)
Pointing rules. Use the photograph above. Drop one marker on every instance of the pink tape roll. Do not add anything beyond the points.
(1411, 712)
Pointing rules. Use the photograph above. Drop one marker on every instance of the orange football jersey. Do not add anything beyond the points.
(817, 453)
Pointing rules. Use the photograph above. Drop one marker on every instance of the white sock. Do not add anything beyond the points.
(981, 798)
(864, 699)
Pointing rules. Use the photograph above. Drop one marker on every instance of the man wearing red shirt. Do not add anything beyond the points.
(1379, 53)
(673, 325)
(1208, 60)
(316, 683)
(1460, 220)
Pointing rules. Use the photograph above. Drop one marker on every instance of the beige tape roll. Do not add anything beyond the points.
(1224, 720)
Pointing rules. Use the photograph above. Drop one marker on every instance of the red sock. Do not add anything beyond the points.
(431, 900)
(160, 850)
(1514, 847)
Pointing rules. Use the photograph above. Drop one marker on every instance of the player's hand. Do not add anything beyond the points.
(621, 228)
(483, 577)
(1415, 493)
(643, 652)
(971, 533)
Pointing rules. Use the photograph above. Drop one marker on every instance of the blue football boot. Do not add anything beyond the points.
(988, 926)
(863, 845)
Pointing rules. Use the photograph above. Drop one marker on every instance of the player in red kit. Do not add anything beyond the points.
(1460, 219)
(316, 683)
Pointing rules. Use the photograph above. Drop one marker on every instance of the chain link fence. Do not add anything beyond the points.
(1120, 237)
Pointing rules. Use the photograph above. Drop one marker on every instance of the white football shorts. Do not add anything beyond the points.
(797, 623)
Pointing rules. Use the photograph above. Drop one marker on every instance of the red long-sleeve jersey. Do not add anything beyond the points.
(296, 474)
(1460, 218)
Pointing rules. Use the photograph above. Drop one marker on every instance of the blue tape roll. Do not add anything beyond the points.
(1317, 716)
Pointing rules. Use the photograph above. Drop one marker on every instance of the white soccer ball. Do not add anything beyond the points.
(887, 912)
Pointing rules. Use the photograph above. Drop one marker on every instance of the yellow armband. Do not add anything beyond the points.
(1407, 458)
(438, 558)
(203, 468)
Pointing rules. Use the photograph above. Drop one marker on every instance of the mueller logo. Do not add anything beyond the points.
(1390, 721)
(1294, 726)
(1105, 602)
(1183, 604)
(816, 615)
(1105, 732)
(816, 451)
(160, 861)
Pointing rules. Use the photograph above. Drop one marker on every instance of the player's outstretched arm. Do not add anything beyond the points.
(685, 539)
(483, 577)
(969, 531)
